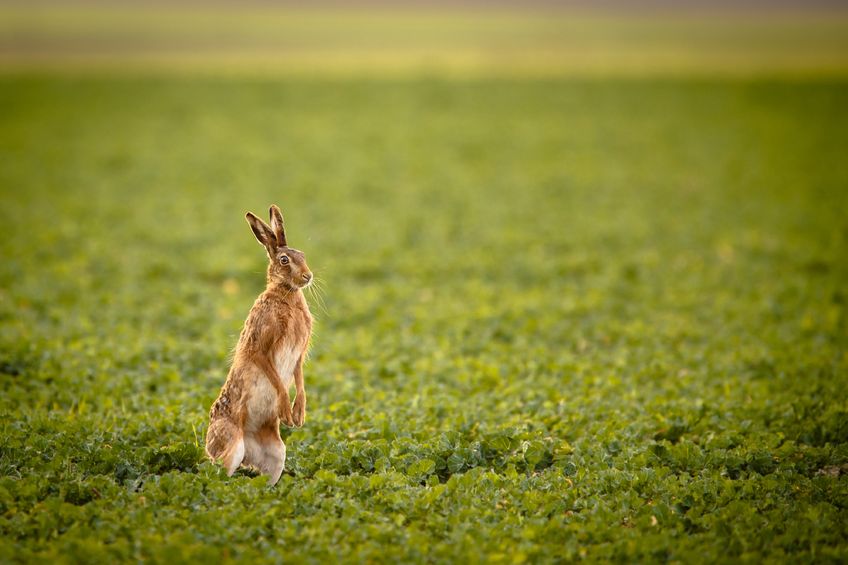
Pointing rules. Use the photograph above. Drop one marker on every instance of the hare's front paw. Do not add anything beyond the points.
(286, 413)
(300, 409)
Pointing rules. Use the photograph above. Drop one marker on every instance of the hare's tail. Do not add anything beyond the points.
(225, 443)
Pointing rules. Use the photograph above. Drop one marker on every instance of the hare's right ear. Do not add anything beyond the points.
(277, 224)
(263, 232)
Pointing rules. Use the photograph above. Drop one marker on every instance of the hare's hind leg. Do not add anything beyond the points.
(225, 443)
(275, 460)
(267, 452)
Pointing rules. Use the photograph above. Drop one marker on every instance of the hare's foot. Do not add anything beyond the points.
(300, 409)
(275, 461)
(285, 412)
(266, 452)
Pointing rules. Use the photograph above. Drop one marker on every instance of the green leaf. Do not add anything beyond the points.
(421, 468)
(534, 452)
(455, 463)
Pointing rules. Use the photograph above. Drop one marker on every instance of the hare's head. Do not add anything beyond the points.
(287, 265)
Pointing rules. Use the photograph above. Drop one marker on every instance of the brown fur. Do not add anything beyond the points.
(244, 425)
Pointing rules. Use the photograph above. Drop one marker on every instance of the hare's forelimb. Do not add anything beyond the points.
(299, 412)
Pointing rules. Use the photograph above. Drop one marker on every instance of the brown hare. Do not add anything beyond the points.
(244, 425)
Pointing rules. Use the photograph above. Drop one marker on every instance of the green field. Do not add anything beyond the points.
(561, 317)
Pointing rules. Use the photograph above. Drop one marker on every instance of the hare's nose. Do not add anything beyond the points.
(307, 276)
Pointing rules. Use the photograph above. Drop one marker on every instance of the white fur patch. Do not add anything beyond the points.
(262, 403)
(286, 361)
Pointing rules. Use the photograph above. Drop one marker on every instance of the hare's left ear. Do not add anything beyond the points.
(277, 225)
(263, 233)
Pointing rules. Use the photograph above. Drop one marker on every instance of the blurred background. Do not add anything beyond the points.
(538, 37)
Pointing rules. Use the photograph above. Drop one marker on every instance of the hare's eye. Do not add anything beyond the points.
(284, 260)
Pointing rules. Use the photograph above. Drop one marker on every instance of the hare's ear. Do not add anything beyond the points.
(277, 225)
(263, 233)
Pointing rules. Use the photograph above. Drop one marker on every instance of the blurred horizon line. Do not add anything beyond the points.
(622, 7)
(420, 37)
